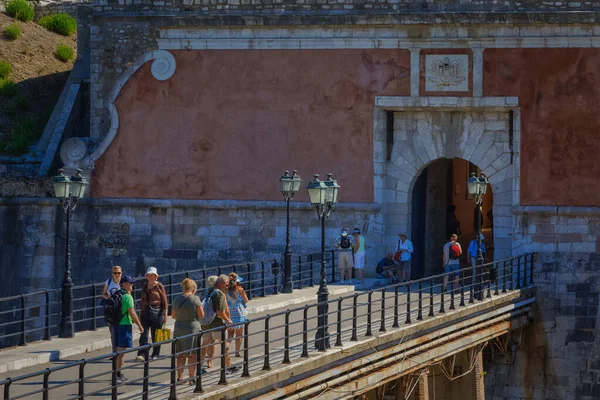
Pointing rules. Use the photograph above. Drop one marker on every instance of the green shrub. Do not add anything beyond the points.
(64, 52)
(8, 88)
(62, 24)
(22, 135)
(20, 9)
(12, 32)
(5, 69)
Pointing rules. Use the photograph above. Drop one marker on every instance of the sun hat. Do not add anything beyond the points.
(151, 271)
(356, 230)
(235, 277)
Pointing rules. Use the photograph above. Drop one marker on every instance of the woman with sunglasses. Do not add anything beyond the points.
(110, 287)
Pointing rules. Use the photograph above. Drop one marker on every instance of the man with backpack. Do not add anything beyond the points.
(216, 315)
(345, 244)
(451, 260)
(121, 313)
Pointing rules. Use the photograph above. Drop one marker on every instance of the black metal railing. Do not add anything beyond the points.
(277, 338)
(36, 316)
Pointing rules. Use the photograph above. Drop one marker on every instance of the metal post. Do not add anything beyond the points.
(408, 321)
(47, 327)
(223, 378)
(146, 377)
(431, 312)
(442, 303)
(369, 304)
(479, 260)
(395, 324)
(354, 337)
(23, 341)
(300, 272)
(67, 329)
(518, 273)
(262, 278)
(338, 341)
(504, 276)
(287, 255)
(312, 271)
(305, 333)
(322, 336)
(420, 311)
(286, 339)
(173, 383)
(462, 291)
(332, 266)
(452, 295)
(246, 371)
(267, 365)
(113, 377)
(382, 325)
(46, 384)
(81, 386)
(94, 311)
(198, 388)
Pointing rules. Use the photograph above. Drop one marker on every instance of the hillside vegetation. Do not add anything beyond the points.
(36, 75)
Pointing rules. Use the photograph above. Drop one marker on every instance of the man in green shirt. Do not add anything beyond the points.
(123, 333)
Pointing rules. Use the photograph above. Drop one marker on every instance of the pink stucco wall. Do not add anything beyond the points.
(228, 123)
(559, 93)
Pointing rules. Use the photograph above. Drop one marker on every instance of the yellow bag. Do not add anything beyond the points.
(162, 334)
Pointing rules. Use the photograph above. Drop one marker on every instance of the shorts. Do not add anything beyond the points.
(214, 336)
(454, 268)
(123, 335)
(345, 259)
(359, 260)
(405, 266)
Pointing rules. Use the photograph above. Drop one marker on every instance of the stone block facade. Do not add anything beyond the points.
(172, 237)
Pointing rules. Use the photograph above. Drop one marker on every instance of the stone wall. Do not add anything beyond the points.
(173, 236)
(559, 354)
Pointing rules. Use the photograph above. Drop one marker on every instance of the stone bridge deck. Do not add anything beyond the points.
(389, 344)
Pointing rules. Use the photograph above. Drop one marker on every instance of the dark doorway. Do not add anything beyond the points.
(440, 206)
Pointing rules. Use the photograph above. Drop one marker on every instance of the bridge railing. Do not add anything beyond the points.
(36, 316)
(277, 338)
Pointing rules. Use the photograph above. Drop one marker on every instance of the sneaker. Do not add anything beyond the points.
(350, 282)
(140, 358)
(232, 369)
(121, 378)
(154, 357)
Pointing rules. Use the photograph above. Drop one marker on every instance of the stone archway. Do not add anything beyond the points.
(484, 131)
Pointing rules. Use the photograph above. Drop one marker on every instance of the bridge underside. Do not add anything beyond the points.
(406, 352)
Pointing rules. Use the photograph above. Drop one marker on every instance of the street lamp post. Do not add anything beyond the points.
(477, 188)
(289, 186)
(68, 191)
(323, 196)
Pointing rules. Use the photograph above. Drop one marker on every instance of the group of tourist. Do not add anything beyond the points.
(224, 302)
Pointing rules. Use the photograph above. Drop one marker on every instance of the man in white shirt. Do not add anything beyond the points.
(405, 248)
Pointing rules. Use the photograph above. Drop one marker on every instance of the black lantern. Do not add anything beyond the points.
(289, 185)
(323, 196)
(69, 191)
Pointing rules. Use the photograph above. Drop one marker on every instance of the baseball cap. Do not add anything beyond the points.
(127, 278)
(151, 271)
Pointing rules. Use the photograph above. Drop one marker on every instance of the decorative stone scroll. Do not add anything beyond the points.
(163, 67)
(72, 151)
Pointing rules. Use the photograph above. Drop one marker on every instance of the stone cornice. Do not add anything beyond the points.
(555, 210)
(198, 17)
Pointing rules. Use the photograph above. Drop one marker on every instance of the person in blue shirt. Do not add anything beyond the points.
(472, 250)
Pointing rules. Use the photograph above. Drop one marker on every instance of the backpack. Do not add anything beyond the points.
(454, 251)
(209, 311)
(112, 309)
(345, 242)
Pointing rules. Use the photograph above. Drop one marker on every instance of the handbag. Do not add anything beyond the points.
(153, 314)
(162, 334)
(397, 256)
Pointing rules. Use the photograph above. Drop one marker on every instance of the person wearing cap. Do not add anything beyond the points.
(405, 248)
(345, 244)
(236, 301)
(153, 311)
(124, 332)
(359, 254)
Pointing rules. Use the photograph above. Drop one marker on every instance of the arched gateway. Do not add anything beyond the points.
(482, 130)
